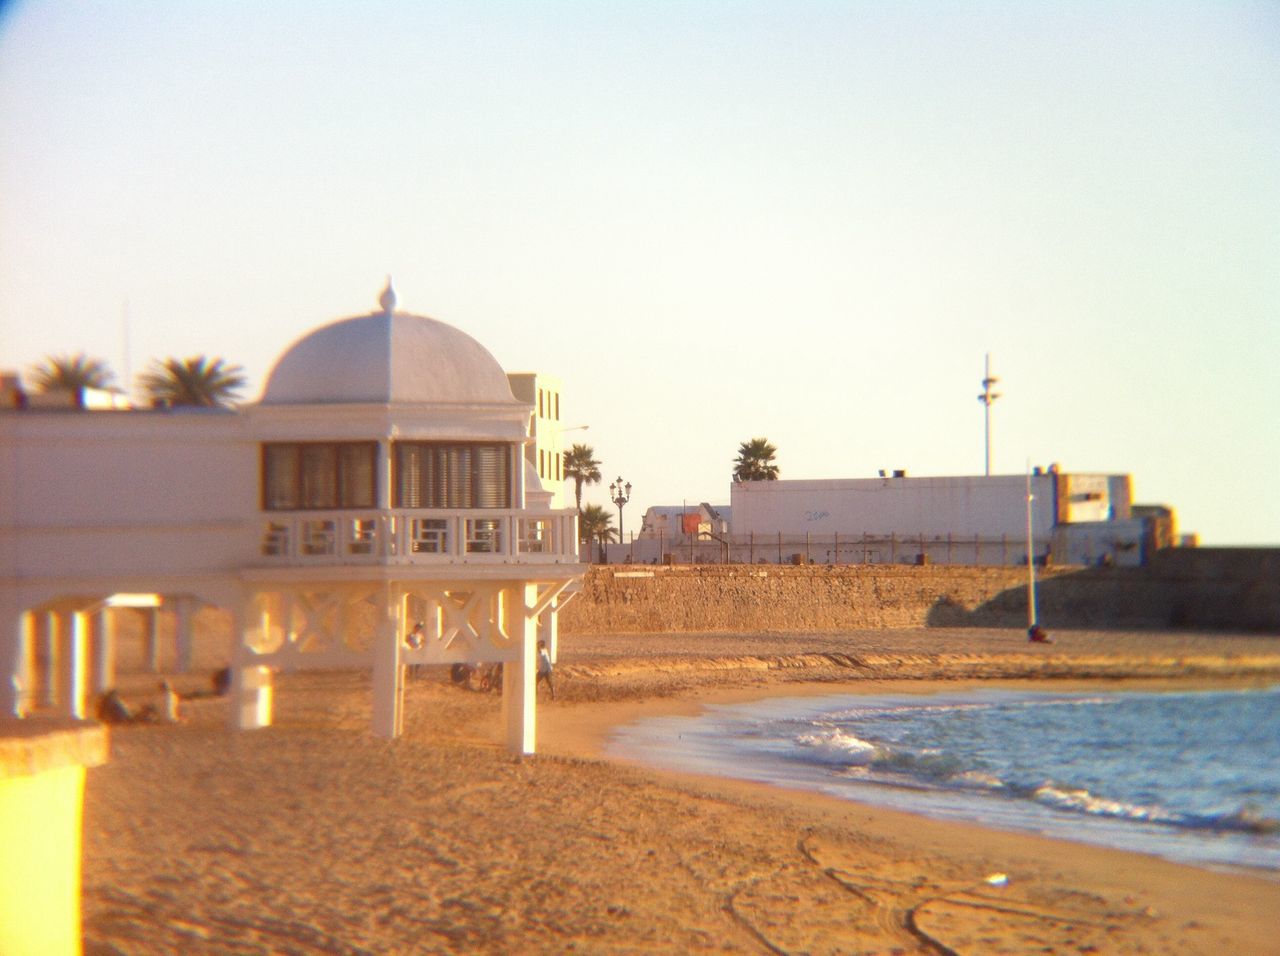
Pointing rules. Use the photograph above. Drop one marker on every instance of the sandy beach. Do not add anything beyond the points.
(313, 836)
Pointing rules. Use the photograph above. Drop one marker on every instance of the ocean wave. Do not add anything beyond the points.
(831, 745)
(1082, 801)
(843, 751)
(976, 780)
(1242, 820)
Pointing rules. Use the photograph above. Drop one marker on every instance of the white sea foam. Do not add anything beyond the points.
(976, 780)
(1083, 801)
(833, 746)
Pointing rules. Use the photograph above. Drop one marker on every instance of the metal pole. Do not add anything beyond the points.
(986, 398)
(1031, 563)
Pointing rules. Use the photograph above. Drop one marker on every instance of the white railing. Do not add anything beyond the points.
(405, 536)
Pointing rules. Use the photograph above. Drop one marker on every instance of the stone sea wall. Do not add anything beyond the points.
(1215, 589)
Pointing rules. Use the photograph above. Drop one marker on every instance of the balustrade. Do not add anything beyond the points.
(419, 536)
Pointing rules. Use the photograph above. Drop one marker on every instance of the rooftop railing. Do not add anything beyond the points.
(419, 536)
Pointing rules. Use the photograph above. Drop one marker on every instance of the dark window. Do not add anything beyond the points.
(437, 475)
(318, 475)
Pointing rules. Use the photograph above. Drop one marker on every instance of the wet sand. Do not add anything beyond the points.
(313, 836)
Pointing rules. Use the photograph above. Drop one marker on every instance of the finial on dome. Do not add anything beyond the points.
(388, 298)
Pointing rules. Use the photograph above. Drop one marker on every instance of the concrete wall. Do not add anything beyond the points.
(1229, 594)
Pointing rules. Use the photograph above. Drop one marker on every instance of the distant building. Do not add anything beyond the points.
(1076, 519)
(546, 450)
(677, 522)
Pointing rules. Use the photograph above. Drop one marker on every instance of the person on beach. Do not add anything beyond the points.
(544, 669)
(1038, 635)
(414, 640)
(113, 710)
(170, 712)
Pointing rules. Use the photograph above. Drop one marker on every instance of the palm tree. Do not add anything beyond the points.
(200, 381)
(596, 524)
(71, 371)
(755, 461)
(580, 464)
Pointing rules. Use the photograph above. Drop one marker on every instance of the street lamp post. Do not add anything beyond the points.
(620, 495)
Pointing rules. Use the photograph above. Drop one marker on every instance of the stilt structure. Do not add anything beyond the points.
(381, 481)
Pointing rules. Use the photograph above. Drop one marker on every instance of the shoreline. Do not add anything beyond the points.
(312, 835)
(575, 738)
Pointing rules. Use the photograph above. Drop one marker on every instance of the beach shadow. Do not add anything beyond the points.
(1228, 589)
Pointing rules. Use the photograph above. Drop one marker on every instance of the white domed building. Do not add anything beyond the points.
(385, 467)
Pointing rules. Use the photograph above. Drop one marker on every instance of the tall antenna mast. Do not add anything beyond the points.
(987, 397)
(127, 385)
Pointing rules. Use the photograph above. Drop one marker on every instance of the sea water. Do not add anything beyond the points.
(1192, 776)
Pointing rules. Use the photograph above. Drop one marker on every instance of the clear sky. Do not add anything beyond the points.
(807, 221)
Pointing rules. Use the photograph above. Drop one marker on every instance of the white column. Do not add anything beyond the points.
(53, 657)
(519, 697)
(388, 671)
(104, 657)
(185, 613)
(518, 489)
(251, 691)
(385, 493)
(251, 697)
(152, 631)
(30, 674)
(76, 666)
(15, 657)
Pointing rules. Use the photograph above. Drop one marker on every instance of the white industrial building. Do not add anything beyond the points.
(1075, 519)
(388, 475)
(676, 522)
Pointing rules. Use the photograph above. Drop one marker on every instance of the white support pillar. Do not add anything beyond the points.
(251, 684)
(388, 671)
(184, 610)
(251, 696)
(152, 630)
(104, 652)
(53, 657)
(30, 673)
(16, 671)
(383, 486)
(519, 676)
(76, 666)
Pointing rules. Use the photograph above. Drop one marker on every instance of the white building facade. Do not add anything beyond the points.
(546, 449)
(1075, 519)
(381, 481)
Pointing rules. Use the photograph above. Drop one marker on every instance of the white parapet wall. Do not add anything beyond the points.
(42, 773)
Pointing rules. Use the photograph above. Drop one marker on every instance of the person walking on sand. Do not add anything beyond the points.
(414, 640)
(170, 704)
(544, 669)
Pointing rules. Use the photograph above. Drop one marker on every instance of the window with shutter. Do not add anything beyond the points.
(319, 475)
(452, 476)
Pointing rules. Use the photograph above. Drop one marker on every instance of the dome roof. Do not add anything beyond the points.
(387, 357)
